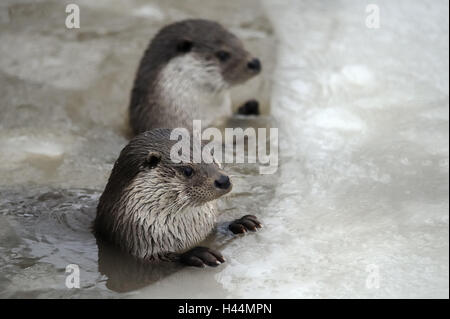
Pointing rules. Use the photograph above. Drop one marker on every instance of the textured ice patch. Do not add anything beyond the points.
(149, 11)
(337, 119)
(45, 148)
(46, 60)
(249, 33)
(22, 147)
(349, 80)
(358, 74)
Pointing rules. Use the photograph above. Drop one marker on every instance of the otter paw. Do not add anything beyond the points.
(201, 256)
(249, 108)
(243, 224)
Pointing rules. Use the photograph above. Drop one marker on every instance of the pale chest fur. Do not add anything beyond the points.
(152, 224)
(192, 89)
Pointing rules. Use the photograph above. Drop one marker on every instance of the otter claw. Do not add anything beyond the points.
(241, 225)
(201, 257)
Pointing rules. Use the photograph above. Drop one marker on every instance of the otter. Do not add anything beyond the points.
(155, 209)
(185, 74)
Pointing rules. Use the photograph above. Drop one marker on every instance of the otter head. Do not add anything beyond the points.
(215, 49)
(145, 178)
(186, 183)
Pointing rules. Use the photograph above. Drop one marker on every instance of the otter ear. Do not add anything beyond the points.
(184, 45)
(152, 159)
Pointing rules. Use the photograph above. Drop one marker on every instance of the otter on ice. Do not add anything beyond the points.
(156, 209)
(186, 73)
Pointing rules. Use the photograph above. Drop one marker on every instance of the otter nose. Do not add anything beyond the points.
(223, 182)
(254, 65)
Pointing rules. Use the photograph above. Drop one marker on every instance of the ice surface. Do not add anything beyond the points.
(362, 187)
(368, 168)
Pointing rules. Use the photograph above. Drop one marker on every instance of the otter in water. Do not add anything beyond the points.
(156, 209)
(186, 73)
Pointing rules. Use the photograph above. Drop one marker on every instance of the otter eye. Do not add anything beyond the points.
(188, 171)
(223, 55)
(184, 46)
(152, 160)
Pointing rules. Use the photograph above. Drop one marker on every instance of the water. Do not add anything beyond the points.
(358, 207)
